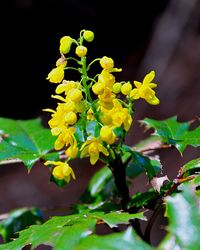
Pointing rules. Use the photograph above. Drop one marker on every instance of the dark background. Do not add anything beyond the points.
(141, 35)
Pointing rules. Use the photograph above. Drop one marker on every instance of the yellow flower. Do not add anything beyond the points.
(117, 116)
(90, 114)
(117, 87)
(57, 74)
(65, 44)
(61, 61)
(106, 99)
(126, 88)
(106, 62)
(107, 135)
(65, 138)
(81, 50)
(88, 35)
(75, 95)
(62, 170)
(92, 148)
(71, 118)
(72, 151)
(144, 89)
(66, 86)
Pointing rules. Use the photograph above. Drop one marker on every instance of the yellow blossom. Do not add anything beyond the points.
(106, 62)
(66, 86)
(88, 35)
(81, 51)
(90, 114)
(65, 44)
(117, 87)
(126, 88)
(92, 148)
(144, 89)
(71, 118)
(62, 170)
(75, 95)
(57, 74)
(107, 135)
(65, 138)
(72, 151)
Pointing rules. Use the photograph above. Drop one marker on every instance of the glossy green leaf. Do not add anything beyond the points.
(92, 128)
(192, 165)
(101, 188)
(140, 164)
(66, 232)
(145, 199)
(127, 240)
(98, 181)
(183, 213)
(173, 132)
(18, 220)
(26, 140)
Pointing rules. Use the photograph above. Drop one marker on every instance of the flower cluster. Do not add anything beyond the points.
(93, 114)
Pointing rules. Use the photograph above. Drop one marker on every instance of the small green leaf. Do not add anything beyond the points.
(127, 240)
(192, 165)
(145, 199)
(184, 218)
(173, 132)
(26, 140)
(66, 232)
(113, 219)
(92, 128)
(98, 181)
(140, 164)
(19, 219)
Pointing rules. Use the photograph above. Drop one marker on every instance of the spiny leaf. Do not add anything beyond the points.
(66, 232)
(128, 240)
(184, 218)
(19, 219)
(140, 164)
(175, 133)
(192, 165)
(26, 140)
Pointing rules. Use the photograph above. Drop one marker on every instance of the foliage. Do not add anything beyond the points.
(92, 119)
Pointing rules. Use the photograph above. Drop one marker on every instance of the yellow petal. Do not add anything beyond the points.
(137, 84)
(149, 77)
(94, 158)
(154, 100)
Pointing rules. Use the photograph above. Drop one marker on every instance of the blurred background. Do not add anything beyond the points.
(140, 35)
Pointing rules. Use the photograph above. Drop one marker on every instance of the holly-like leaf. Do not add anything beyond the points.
(66, 232)
(127, 240)
(173, 132)
(140, 164)
(184, 219)
(18, 220)
(193, 165)
(26, 140)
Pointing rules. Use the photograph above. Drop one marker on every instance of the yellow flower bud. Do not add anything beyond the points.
(65, 44)
(61, 61)
(71, 118)
(126, 88)
(106, 62)
(81, 51)
(107, 135)
(72, 151)
(98, 88)
(117, 87)
(56, 75)
(75, 95)
(88, 35)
